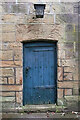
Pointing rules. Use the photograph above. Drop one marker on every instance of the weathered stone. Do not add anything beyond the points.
(11, 80)
(7, 99)
(76, 91)
(71, 28)
(8, 105)
(76, 73)
(71, 36)
(69, 62)
(11, 88)
(61, 46)
(72, 98)
(75, 8)
(69, 45)
(19, 97)
(59, 62)
(68, 18)
(3, 80)
(19, 76)
(48, 19)
(68, 92)
(11, 46)
(8, 37)
(68, 84)
(18, 63)
(17, 54)
(7, 94)
(69, 69)
(33, 31)
(61, 54)
(60, 73)
(8, 27)
(1, 28)
(11, 64)
(68, 76)
(9, 18)
(17, 8)
(7, 55)
(0, 8)
(7, 71)
(60, 93)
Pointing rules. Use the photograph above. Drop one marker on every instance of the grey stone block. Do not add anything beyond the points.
(7, 99)
(68, 18)
(17, 8)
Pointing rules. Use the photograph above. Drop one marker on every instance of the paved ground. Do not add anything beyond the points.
(41, 116)
(39, 112)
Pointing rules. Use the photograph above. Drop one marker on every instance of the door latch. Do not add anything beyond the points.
(27, 69)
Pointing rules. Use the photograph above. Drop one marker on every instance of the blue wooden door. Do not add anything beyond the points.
(39, 73)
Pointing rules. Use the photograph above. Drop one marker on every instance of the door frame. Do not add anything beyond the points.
(44, 41)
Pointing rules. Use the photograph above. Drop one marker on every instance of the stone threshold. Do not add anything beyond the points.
(35, 109)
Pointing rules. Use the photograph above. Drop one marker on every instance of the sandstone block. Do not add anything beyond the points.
(0, 8)
(76, 91)
(69, 69)
(19, 76)
(68, 84)
(7, 71)
(72, 98)
(69, 53)
(7, 99)
(11, 46)
(8, 28)
(39, 31)
(11, 88)
(7, 55)
(4, 94)
(71, 36)
(71, 28)
(19, 97)
(17, 54)
(18, 63)
(9, 18)
(68, 92)
(3, 80)
(11, 64)
(69, 62)
(48, 19)
(68, 18)
(68, 76)
(61, 46)
(11, 80)
(8, 37)
(61, 54)
(76, 73)
(60, 93)
(59, 62)
(60, 73)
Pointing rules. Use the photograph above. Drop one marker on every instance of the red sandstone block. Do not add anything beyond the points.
(60, 73)
(60, 93)
(68, 92)
(11, 87)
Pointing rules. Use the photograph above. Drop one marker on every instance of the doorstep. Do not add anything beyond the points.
(36, 108)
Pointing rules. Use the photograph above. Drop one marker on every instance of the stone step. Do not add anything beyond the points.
(72, 98)
(36, 108)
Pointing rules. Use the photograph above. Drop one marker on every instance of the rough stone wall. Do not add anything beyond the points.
(60, 23)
